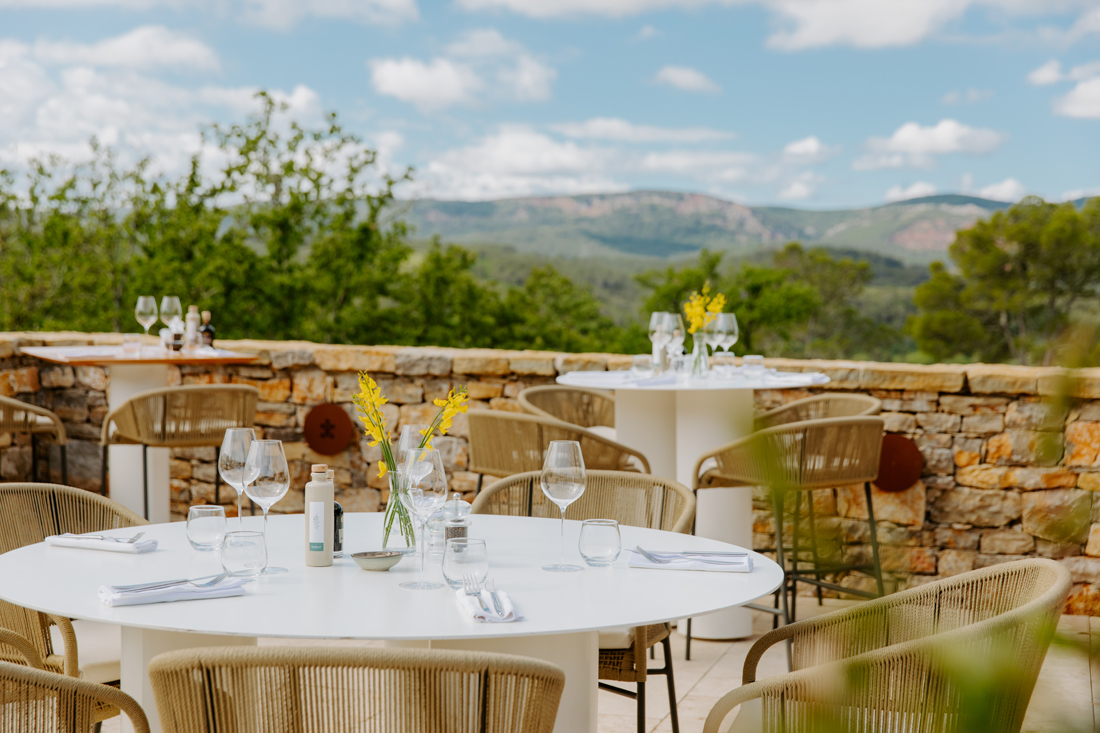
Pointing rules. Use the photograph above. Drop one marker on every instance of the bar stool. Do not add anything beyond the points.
(819, 407)
(19, 417)
(179, 417)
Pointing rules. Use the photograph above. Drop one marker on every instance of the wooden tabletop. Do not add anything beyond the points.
(112, 355)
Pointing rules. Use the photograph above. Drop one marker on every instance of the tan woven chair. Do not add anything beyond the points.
(35, 700)
(960, 654)
(506, 443)
(19, 417)
(336, 690)
(28, 514)
(635, 500)
(179, 417)
(795, 458)
(820, 407)
(587, 408)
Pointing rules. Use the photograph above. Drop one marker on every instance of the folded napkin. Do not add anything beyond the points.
(728, 564)
(471, 607)
(75, 540)
(654, 381)
(796, 377)
(109, 595)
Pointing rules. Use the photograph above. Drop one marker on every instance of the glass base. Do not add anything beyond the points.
(562, 568)
(274, 571)
(420, 585)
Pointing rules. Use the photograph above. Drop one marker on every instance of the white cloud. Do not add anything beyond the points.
(1048, 73)
(686, 79)
(285, 14)
(1080, 193)
(430, 86)
(970, 96)
(1007, 190)
(530, 79)
(1082, 101)
(141, 48)
(484, 42)
(646, 32)
(915, 145)
(612, 128)
(808, 150)
(916, 190)
(802, 187)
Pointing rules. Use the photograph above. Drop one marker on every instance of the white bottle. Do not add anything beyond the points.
(319, 498)
(191, 339)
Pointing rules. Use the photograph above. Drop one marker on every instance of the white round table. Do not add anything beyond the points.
(672, 420)
(562, 611)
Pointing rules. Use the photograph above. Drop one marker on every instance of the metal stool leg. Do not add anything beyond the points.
(145, 478)
(103, 474)
(34, 457)
(672, 712)
(813, 544)
(64, 464)
(641, 707)
(687, 645)
(777, 503)
(874, 538)
(797, 521)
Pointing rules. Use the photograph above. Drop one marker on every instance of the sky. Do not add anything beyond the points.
(803, 103)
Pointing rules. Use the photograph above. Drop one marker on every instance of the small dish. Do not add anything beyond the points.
(383, 560)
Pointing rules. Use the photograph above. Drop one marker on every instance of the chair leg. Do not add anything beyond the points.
(777, 503)
(874, 539)
(64, 464)
(813, 544)
(145, 478)
(97, 727)
(103, 474)
(673, 714)
(792, 606)
(641, 707)
(687, 645)
(34, 458)
(217, 475)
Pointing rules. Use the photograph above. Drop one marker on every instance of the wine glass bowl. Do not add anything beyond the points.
(677, 334)
(267, 479)
(146, 312)
(170, 309)
(563, 481)
(425, 490)
(232, 459)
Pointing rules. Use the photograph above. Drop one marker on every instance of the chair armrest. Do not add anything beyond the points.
(23, 646)
(68, 634)
(728, 702)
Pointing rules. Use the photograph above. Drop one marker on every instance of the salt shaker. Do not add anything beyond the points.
(456, 522)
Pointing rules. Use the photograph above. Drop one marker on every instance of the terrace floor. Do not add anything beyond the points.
(1066, 699)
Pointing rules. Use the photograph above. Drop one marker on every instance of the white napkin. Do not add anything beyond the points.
(729, 564)
(111, 596)
(654, 381)
(73, 540)
(471, 607)
(796, 378)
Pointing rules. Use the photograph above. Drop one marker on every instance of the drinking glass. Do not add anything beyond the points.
(600, 543)
(658, 333)
(753, 365)
(146, 312)
(426, 489)
(244, 554)
(170, 308)
(730, 331)
(131, 343)
(563, 481)
(266, 479)
(677, 333)
(641, 366)
(231, 460)
(410, 438)
(206, 527)
(465, 556)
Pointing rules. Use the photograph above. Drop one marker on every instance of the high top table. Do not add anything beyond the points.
(562, 612)
(672, 420)
(130, 374)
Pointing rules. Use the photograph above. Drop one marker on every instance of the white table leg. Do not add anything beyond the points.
(124, 461)
(646, 422)
(139, 646)
(577, 654)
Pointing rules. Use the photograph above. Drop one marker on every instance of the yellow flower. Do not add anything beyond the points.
(427, 432)
(453, 405)
(701, 309)
(383, 469)
(369, 403)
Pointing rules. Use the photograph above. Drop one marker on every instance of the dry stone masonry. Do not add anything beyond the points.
(1011, 454)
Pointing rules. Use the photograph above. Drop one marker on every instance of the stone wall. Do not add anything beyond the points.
(1012, 454)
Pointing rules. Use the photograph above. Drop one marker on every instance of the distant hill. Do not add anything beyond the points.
(663, 224)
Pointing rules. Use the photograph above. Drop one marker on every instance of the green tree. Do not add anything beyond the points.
(551, 312)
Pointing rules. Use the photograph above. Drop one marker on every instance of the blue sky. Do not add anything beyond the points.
(810, 103)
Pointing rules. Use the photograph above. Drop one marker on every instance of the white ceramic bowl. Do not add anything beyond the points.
(382, 560)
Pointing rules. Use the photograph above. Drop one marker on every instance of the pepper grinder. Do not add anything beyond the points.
(455, 518)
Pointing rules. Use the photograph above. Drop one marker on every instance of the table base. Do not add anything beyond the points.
(124, 461)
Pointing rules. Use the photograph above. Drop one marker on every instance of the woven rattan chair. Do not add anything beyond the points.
(635, 500)
(335, 690)
(506, 443)
(19, 417)
(792, 459)
(35, 700)
(28, 514)
(960, 654)
(587, 408)
(179, 417)
(820, 407)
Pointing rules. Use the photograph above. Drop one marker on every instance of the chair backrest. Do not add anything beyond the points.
(193, 415)
(804, 455)
(19, 417)
(820, 407)
(507, 443)
(633, 499)
(575, 405)
(217, 690)
(40, 701)
(29, 513)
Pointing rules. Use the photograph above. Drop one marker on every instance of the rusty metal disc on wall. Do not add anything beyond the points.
(328, 429)
(900, 465)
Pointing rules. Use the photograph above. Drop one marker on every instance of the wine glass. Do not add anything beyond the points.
(266, 478)
(658, 333)
(425, 491)
(146, 312)
(232, 459)
(730, 332)
(677, 333)
(410, 438)
(170, 308)
(563, 481)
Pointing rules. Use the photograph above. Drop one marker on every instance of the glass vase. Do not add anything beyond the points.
(700, 364)
(396, 521)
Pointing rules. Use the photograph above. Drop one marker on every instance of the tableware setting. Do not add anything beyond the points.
(485, 603)
(715, 561)
(380, 560)
(133, 545)
(563, 481)
(267, 479)
(426, 491)
(222, 585)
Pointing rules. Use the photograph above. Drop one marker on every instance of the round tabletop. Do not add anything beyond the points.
(344, 602)
(626, 380)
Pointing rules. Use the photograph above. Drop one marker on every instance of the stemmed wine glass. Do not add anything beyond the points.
(425, 492)
(729, 331)
(146, 312)
(232, 459)
(677, 332)
(267, 478)
(170, 308)
(563, 481)
(410, 438)
(659, 335)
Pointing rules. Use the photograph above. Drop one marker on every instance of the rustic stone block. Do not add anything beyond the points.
(275, 419)
(933, 440)
(1059, 515)
(959, 539)
(898, 401)
(1033, 414)
(1024, 448)
(15, 463)
(1076, 383)
(903, 507)
(1088, 411)
(56, 377)
(983, 424)
(1092, 546)
(436, 389)
(1001, 379)
(580, 363)
(986, 561)
(1083, 443)
(1089, 481)
(71, 405)
(471, 362)
(420, 362)
(956, 562)
(1007, 542)
(972, 405)
(353, 359)
(401, 391)
(85, 463)
(311, 386)
(968, 451)
(210, 378)
(286, 358)
(533, 365)
(204, 471)
(1084, 600)
(899, 422)
(249, 371)
(360, 500)
(1083, 569)
(453, 451)
(420, 414)
(920, 560)
(90, 377)
(503, 403)
(18, 381)
(1040, 478)
(179, 469)
(271, 390)
(976, 507)
(938, 460)
(938, 422)
(195, 454)
(1056, 550)
(934, 378)
(480, 390)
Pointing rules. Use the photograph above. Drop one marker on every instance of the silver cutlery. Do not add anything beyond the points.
(472, 588)
(203, 582)
(122, 540)
(673, 558)
(491, 586)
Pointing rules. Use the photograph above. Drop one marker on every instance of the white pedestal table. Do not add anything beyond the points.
(562, 611)
(672, 420)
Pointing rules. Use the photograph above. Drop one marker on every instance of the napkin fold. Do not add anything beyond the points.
(729, 564)
(109, 595)
(470, 605)
(72, 540)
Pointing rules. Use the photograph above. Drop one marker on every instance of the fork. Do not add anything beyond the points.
(471, 587)
(213, 580)
(491, 586)
(665, 561)
(123, 540)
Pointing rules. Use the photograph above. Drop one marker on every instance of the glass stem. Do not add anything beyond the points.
(561, 558)
(265, 536)
(423, 548)
(240, 517)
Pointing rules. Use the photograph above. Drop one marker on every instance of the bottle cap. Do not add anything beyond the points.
(331, 474)
(206, 316)
(192, 309)
(319, 468)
